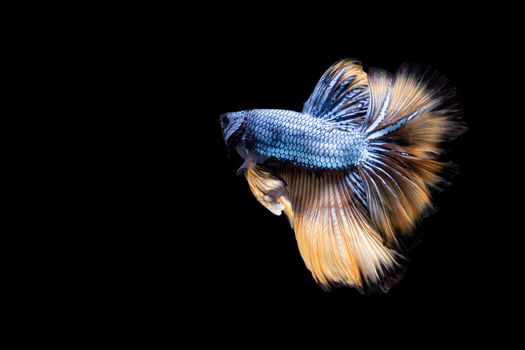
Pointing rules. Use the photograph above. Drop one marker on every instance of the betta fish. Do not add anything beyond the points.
(355, 170)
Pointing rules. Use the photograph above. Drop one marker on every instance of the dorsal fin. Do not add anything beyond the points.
(342, 94)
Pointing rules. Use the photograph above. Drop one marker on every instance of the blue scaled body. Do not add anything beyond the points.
(304, 140)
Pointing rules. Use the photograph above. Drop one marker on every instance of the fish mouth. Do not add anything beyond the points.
(232, 135)
(233, 138)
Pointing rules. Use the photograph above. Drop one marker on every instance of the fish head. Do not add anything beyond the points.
(232, 125)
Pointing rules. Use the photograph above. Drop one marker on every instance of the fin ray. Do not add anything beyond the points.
(334, 232)
(410, 117)
(341, 95)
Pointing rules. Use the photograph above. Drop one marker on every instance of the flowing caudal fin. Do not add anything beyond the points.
(411, 115)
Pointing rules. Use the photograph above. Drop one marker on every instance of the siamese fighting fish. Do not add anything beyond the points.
(354, 170)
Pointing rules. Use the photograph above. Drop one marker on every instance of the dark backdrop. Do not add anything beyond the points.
(201, 249)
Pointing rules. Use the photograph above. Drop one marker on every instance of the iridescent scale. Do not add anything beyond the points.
(305, 140)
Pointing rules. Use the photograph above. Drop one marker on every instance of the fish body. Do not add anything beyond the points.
(302, 140)
(353, 171)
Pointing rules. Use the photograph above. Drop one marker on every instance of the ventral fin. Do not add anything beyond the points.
(269, 190)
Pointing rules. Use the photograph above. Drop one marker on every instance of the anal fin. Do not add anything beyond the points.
(336, 237)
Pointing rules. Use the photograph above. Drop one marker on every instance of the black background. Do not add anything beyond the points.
(199, 248)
